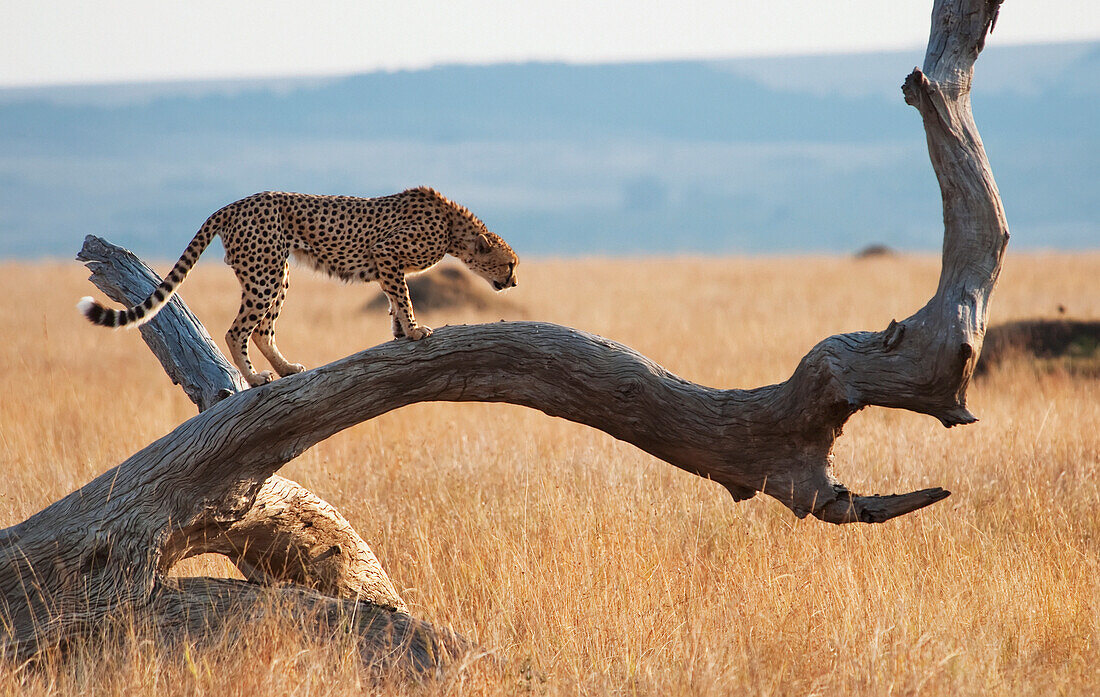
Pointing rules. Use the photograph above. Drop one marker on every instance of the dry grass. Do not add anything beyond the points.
(590, 566)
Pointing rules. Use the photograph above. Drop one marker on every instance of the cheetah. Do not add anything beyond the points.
(354, 239)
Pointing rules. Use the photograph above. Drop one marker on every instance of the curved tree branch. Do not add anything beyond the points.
(291, 535)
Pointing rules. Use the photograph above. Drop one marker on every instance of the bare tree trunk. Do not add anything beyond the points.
(289, 534)
(107, 546)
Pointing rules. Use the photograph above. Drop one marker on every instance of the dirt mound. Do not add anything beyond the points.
(448, 287)
(1048, 344)
(872, 251)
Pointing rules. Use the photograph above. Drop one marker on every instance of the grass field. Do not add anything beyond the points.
(589, 566)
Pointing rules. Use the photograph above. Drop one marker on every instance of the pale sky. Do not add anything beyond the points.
(81, 41)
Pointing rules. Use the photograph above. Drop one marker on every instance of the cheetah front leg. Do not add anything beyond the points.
(395, 324)
(397, 291)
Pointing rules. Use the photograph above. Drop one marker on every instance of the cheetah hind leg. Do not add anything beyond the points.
(264, 335)
(249, 315)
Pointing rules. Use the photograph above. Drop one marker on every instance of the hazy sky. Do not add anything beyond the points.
(75, 41)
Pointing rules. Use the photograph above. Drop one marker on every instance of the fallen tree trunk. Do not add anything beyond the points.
(289, 534)
(108, 545)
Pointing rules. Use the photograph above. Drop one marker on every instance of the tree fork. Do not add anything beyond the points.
(288, 534)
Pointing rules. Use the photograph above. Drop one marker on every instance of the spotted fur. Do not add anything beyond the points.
(354, 239)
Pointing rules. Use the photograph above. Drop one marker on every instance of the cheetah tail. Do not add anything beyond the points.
(143, 312)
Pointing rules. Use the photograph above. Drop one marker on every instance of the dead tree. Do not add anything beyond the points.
(106, 547)
(288, 534)
(281, 536)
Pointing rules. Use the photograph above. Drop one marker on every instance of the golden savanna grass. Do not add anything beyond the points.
(589, 566)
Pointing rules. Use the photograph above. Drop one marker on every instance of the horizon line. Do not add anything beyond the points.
(335, 74)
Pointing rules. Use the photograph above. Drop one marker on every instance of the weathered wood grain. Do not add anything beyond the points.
(289, 534)
(175, 336)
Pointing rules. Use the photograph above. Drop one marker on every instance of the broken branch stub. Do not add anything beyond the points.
(178, 340)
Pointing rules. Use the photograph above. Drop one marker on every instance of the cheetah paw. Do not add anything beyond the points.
(419, 332)
(260, 378)
(292, 369)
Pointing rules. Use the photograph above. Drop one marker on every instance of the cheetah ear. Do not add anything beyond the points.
(482, 245)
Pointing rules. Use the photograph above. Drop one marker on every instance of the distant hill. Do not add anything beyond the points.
(809, 153)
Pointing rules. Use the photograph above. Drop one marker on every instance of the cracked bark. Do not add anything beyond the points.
(284, 537)
(288, 534)
(89, 554)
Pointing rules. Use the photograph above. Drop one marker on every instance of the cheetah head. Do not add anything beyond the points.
(494, 261)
